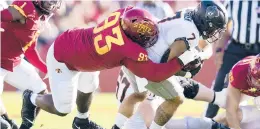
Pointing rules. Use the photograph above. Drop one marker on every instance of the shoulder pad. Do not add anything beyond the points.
(26, 8)
(187, 14)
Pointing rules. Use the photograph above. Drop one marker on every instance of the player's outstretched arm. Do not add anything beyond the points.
(232, 107)
(11, 14)
(152, 71)
(159, 72)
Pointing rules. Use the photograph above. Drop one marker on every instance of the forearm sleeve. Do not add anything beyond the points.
(152, 71)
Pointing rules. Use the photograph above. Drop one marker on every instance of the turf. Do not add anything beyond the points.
(102, 111)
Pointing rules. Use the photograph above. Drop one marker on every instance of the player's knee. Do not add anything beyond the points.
(64, 109)
(176, 101)
(88, 89)
(61, 114)
(41, 88)
(190, 92)
(140, 96)
(169, 106)
(137, 97)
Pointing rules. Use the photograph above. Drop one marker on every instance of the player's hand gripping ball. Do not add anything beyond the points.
(192, 65)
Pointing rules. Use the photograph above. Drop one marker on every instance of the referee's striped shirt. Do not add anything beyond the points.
(245, 15)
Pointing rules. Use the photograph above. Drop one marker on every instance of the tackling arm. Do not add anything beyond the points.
(159, 72)
(152, 71)
(32, 55)
(232, 107)
(176, 49)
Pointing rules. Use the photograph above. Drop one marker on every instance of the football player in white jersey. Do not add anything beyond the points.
(208, 20)
(249, 115)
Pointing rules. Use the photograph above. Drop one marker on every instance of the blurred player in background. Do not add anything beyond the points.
(3, 4)
(243, 81)
(77, 56)
(157, 8)
(215, 19)
(21, 27)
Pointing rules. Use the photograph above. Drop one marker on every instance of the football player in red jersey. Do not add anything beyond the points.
(21, 28)
(243, 84)
(244, 80)
(76, 56)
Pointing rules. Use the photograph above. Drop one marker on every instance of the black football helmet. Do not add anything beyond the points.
(47, 7)
(211, 20)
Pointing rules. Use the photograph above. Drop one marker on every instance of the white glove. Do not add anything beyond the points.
(188, 75)
(189, 56)
(206, 53)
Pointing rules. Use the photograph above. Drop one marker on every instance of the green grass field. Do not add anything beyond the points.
(103, 110)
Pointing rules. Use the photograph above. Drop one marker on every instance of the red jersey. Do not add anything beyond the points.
(106, 46)
(238, 77)
(17, 37)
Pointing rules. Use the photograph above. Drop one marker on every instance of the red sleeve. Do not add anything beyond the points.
(152, 71)
(6, 16)
(32, 56)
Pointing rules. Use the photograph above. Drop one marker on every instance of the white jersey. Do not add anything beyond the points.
(179, 26)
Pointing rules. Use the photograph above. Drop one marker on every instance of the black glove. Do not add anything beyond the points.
(193, 67)
(195, 71)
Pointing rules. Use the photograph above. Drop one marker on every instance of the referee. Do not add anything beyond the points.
(244, 40)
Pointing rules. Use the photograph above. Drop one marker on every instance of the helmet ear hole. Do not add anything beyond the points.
(134, 20)
(141, 35)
